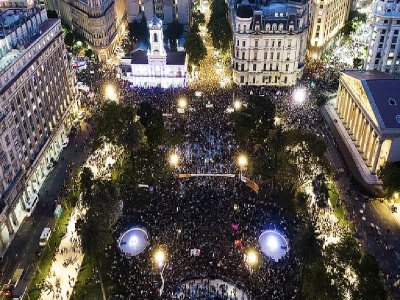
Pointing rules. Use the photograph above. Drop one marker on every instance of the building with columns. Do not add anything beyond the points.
(270, 42)
(384, 45)
(37, 104)
(154, 66)
(367, 117)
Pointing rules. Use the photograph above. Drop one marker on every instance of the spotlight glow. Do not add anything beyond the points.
(272, 243)
(299, 95)
(237, 105)
(133, 241)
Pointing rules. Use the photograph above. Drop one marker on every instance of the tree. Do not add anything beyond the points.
(69, 39)
(152, 120)
(307, 246)
(174, 31)
(52, 14)
(94, 236)
(219, 26)
(86, 184)
(253, 122)
(118, 124)
(195, 48)
(390, 174)
(139, 31)
(198, 18)
(89, 53)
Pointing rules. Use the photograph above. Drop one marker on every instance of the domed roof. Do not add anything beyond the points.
(244, 10)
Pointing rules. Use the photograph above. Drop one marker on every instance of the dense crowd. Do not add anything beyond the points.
(198, 213)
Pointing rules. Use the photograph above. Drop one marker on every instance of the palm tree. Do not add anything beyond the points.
(307, 246)
(94, 235)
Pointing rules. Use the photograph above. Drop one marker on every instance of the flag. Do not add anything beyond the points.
(238, 244)
(235, 227)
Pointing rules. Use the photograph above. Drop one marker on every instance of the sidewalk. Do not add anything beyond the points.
(65, 267)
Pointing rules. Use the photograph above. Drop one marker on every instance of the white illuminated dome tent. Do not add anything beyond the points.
(155, 66)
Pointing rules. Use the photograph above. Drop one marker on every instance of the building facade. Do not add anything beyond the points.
(37, 102)
(328, 17)
(166, 10)
(384, 48)
(101, 23)
(154, 66)
(367, 116)
(270, 41)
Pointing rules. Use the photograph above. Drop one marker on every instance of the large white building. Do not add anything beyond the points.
(154, 66)
(384, 47)
(270, 41)
(166, 10)
(37, 101)
(367, 118)
(328, 17)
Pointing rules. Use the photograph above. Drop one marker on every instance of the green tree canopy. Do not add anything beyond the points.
(390, 176)
(195, 48)
(253, 121)
(152, 120)
(139, 31)
(219, 26)
(118, 124)
(174, 31)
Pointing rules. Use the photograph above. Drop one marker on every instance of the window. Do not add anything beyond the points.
(243, 43)
(285, 80)
(256, 43)
(278, 55)
(242, 67)
(241, 79)
(254, 67)
(279, 43)
(265, 67)
(155, 38)
(243, 55)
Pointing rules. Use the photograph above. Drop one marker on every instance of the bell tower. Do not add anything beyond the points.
(156, 52)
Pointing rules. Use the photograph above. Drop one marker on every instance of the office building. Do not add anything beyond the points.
(329, 16)
(270, 41)
(101, 23)
(37, 101)
(166, 10)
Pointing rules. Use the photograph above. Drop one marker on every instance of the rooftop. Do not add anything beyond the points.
(139, 57)
(383, 91)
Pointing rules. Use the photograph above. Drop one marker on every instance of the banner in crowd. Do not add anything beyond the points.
(195, 252)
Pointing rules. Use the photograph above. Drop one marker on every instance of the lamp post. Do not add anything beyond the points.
(182, 104)
(174, 160)
(242, 162)
(251, 259)
(160, 260)
(110, 93)
(237, 105)
(299, 95)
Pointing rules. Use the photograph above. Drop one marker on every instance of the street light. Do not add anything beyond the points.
(237, 105)
(174, 160)
(242, 161)
(252, 257)
(160, 259)
(299, 95)
(396, 195)
(110, 92)
(182, 103)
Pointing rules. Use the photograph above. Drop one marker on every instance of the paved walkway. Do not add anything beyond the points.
(65, 267)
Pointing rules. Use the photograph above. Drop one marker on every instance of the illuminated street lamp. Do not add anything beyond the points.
(396, 195)
(242, 161)
(160, 258)
(182, 103)
(299, 95)
(252, 258)
(110, 93)
(237, 105)
(174, 160)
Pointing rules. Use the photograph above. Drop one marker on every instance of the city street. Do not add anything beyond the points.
(25, 246)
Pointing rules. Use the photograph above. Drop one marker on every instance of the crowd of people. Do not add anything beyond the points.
(198, 213)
